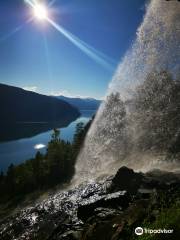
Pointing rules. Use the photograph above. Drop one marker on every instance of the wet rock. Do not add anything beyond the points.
(113, 200)
(106, 213)
(98, 210)
(145, 193)
(113, 227)
(103, 214)
(70, 235)
(108, 229)
(161, 180)
(126, 179)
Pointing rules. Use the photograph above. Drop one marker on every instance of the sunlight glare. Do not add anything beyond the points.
(39, 146)
(40, 11)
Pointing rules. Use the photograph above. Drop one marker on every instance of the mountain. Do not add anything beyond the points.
(18, 105)
(82, 103)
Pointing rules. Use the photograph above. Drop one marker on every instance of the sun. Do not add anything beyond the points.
(40, 11)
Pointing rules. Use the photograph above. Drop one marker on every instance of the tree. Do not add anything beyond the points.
(44, 170)
(55, 135)
(40, 169)
(1, 177)
(10, 179)
(78, 138)
(59, 158)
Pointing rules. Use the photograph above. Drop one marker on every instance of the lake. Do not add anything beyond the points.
(21, 141)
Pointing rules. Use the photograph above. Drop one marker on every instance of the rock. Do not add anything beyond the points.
(107, 209)
(161, 180)
(109, 228)
(145, 193)
(70, 235)
(103, 214)
(126, 179)
(114, 226)
(113, 200)
(106, 213)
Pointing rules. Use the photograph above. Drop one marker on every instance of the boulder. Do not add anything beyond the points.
(115, 200)
(126, 179)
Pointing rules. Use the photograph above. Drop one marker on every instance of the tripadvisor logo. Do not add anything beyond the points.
(139, 231)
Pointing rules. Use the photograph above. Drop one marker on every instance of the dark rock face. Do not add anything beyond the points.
(106, 210)
(119, 199)
(126, 179)
(111, 226)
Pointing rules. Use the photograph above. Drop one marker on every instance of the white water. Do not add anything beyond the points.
(156, 47)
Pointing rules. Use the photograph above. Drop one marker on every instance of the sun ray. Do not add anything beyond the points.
(78, 43)
(41, 12)
(14, 31)
(48, 62)
(52, 2)
(31, 3)
(102, 55)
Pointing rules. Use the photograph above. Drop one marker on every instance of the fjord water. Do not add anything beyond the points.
(156, 48)
(24, 140)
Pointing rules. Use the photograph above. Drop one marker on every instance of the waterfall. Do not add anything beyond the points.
(124, 133)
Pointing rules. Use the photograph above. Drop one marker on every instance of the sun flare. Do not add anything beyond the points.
(40, 11)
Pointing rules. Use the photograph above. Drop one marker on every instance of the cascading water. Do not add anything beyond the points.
(133, 125)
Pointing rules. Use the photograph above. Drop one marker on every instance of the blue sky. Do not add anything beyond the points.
(36, 56)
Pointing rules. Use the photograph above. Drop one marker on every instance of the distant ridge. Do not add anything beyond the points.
(82, 103)
(18, 105)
